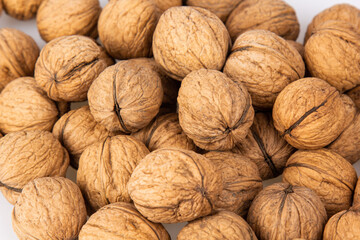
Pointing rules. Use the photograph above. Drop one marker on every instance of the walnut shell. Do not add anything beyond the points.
(274, 15)
(282, 211)
(354, 94)
(68, 65)
(121, 221)
(242, 181)
(49, 208)
(56, 18)
(24, 106)
(357, 194)
(222, 225)
(214, 111)
(188, 39)
(327, 173)
(298, 46)
(174, 185)
(126, 96)
(18, 54)
(265, 63)
(21, 9)
(166, 4)
(309, 113)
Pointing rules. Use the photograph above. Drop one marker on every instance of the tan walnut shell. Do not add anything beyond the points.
(283, 212)
(222, 225)
(265, 63)
(18, 55)
(272, 15)
(298, 46)
(68, 65)
(326, 173)
(214, 111)
(175, 185)
(24, 106)
(121, 221)
(166, 4)
(188, 39)
(56, 18)
(126, 96)
(21, 9)
(354, 94)
(357, 194)
(242, 181)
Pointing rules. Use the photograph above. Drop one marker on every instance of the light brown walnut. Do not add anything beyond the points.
(21, 9)
(298, 46)
(166, 4)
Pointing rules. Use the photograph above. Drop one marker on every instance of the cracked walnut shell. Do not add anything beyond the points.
(21, 9)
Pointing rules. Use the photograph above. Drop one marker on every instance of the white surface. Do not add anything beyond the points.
(305, 9)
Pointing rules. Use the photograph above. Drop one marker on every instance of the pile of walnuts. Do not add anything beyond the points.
(191, 105)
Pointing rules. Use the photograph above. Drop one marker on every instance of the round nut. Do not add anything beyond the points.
(21, 9)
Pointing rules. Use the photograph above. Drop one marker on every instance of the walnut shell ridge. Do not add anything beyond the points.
(21, 9)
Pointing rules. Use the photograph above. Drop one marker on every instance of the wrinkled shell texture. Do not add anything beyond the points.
(222, 225)
(68, 65)
(18, 55)
(272, 15)
(241, 179)
(21, 9)
(126, 27)
(175, 185)
(126, 96)
(166, 4)
(49, 208)
(265, 147)
(105, 169)
(309, 113)
(121, 221)
(357, 194)
(24, 106)
(214, 111)
(188, 39)
(298, 46)
(354, 94)
(265, 63)
(326, 173)
(56, 18)
(285, 212)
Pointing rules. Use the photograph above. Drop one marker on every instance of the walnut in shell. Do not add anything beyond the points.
(18, 54)
(354, 94)
(49, 208)
(298, 46)
(175, 185)
(21, 9)
(265, 63)
(282, 211)
(121, 221)
(68, 65)
(188, 39)
(327, 173)
(166, 4)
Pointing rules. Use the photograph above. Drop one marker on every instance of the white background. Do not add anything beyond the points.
(305, 9)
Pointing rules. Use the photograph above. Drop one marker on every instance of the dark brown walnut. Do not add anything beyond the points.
(265, 147)
(68, 65)
(298, 46)
(286, 212)
(310, 113)
(354, 94)
(21, 9)
(272, 15)
(77, 130)
(18, 54)
(222, 225)
(126, 96)
(25, 106)
(175, 185)
(56, 18)
(121, 221)
(188, 39)
(49, 208)
(242, 181)
(214, 111)
(327, 173)
(265, 63)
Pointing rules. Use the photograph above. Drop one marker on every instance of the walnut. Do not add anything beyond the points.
(282, 211)
(265, 63)
(273, 15)
(49, 208)
(242, 181)
(21, 9)
(121, 221)
(18, 54)
(175, 185)
(214, 111)
(56, 18)
(24, 106)
(298, 46)
(77, 130)
(68, 65)
(222, 225)
(166, 4)
(327, 173)
(357, 194)
(354, 94)
(126, 96)
(188, 39)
